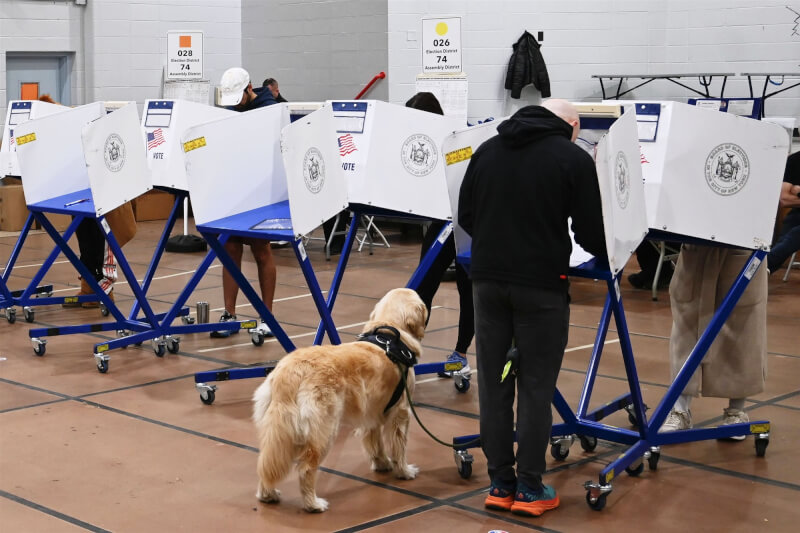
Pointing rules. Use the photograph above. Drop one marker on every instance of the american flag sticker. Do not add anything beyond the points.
(11, 137)
(155, 138)
(346, 145)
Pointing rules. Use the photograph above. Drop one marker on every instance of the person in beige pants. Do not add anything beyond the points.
(735, 365)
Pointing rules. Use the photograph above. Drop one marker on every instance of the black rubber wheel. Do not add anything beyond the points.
(257, 339)
(159, 350)
(207, 397)
(462, 386)
(632, 419)
(104, 310)
(30, 315)
(761, 446)
(102, 366)
(11, 317)
(634, 471)
(39, 349)
(559, 452)
(465, 470)
(597, 504)
(173, 346)
(588, 443)
(652, 461)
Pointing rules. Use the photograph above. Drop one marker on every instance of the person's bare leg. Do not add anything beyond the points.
(267, 273)
(230, 289)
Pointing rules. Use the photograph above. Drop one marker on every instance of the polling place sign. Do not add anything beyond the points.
(184, 55)
(441, 45)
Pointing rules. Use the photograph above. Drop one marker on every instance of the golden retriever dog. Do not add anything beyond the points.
(312, 391)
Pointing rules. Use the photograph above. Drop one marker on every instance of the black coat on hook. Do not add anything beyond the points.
(527, 66)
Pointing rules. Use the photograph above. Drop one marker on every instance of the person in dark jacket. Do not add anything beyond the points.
(520, 188)
(527, 66)
(272, 85)
(237, 94)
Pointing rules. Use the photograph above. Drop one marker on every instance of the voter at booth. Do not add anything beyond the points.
(788, 242)
(272, 85)
(735, 366)
(237, 94)
(426, 101)
(519, 190)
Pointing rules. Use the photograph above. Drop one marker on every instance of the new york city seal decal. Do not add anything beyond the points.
(622, 179)
(727, 169)
(419, 155)
(114, 153)
(313, 170)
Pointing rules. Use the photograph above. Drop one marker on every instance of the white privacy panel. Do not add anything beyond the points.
(164, 121)
(619, 174)
(20, 111)
(50, 153)
(316, 182)
(400, 166)
(116, 159)
(712, 175)
(234, 164)
(458, 148)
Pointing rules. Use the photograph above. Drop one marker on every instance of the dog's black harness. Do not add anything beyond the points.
(396, 351)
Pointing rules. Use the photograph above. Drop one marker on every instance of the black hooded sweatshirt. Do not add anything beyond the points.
(518, 191)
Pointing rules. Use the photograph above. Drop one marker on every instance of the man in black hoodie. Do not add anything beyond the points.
(518, 192)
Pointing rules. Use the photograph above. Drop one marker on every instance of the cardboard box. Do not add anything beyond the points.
(13, 209)
(153, 205)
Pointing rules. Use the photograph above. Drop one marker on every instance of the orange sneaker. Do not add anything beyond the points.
(533, 503)
(499, 499)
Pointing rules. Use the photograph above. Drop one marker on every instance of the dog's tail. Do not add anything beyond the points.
(276, 435)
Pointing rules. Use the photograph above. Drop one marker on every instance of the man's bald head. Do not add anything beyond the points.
(566, 112)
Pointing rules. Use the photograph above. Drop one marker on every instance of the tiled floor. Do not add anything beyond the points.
(136, 450)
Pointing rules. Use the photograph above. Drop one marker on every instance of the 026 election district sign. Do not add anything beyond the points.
(184, 55)
(441, 45)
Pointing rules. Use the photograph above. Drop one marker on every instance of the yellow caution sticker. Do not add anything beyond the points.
(457, 156)
(453, 367)
(24, 139)
(71, 300)
(609, 476)
(249, 324)
(102, 348)
(194, 144)
(759, 428)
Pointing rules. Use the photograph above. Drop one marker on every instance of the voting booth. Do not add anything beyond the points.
(84, 162)
(20, 111)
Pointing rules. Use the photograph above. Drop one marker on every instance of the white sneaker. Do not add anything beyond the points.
(676, 421)
(734, 416)
(264, 329)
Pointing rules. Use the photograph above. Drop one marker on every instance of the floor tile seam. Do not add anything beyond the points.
(732, 473)
(756, 405)
(52, 512)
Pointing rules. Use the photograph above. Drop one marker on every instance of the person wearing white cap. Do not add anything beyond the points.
(237, 93)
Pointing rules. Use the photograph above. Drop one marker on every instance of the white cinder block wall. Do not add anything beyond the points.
(316, 49)
(120, 46)
(585, 37)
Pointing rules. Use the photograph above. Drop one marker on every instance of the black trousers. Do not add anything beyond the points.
(91, 244)
(430, 284)
(537, 321)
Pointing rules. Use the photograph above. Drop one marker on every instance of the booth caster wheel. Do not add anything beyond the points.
(29, 313)
(39, 346)
(103, 309)
(257, 338)
(102, 365)
(588, 443)
(464, 463)
(761, 445)
(11, 315)
(207, 394)
(159, 347)
(187, 319)
(653, 457)
(173, 344)
(596, 495)
(597, 503)
(634, 471)
(559, 447)
(461, 385)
